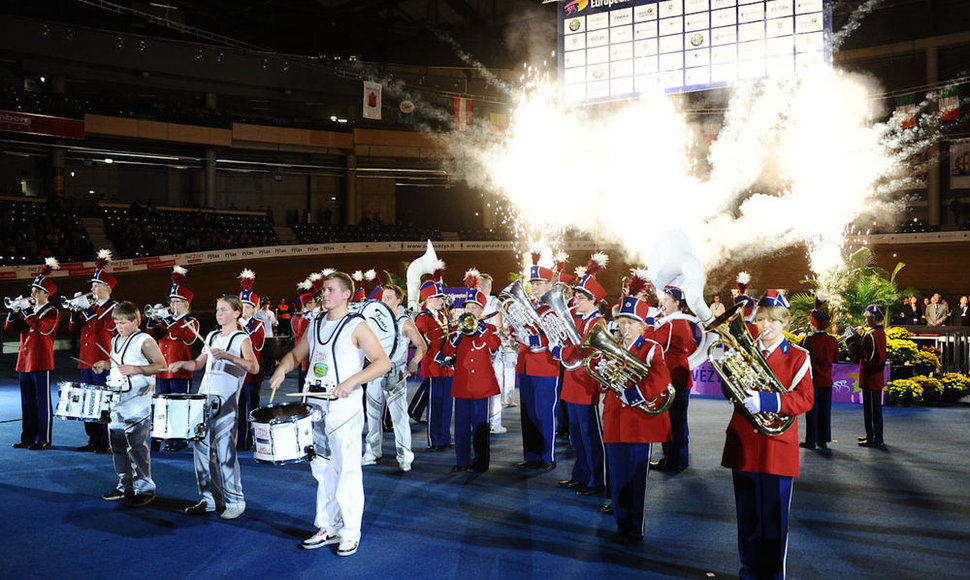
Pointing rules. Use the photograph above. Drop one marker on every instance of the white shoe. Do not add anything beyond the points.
(499, 430)
(232, 513)
(369, 460)
(347, 548)
(404, 466)
(321, 538)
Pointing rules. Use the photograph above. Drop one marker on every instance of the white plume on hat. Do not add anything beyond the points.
(305, 284)
(247, 273)
(179, 270)
(580, 271)
(369, 275)
(52, 263)
(358, 276)
(744, 278)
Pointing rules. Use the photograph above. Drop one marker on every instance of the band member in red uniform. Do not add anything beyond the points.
(765, 465)
(676, 335)
(538, 376)
(96, 327)
(823, 348)
(870, 351)
(749, 305)
(36, 321)
(309, 308)
(254, 328)
(629, 433)
(435, 327)
(175, 332)
(474, 381)
(580, 392)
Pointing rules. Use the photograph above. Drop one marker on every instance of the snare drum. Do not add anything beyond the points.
(179, 416)
(84, 402)
(283, 433)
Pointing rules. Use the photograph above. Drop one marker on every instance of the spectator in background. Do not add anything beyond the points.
(910, 313)
(961, 316)
(923, 307)
(935, 311)
(717, 307)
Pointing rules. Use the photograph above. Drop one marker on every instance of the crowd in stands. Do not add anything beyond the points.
(144, 230)
(934, 310)
(330, 233)
(32, 231)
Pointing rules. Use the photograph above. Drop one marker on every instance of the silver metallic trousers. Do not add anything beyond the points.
(216, 462)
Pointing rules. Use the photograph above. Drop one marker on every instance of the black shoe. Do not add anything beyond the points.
(806, 445)
(174, 447)
(525, 464)
(867, 443)
(141, 500)
(198, 509)
(546, 466)
(658, 464)
(114, 495)
(863, 438)
(607, 508)
(88, 447)
(823, 446)
(39, 446)
(458, 468)
(479, 468)
(590, 490)
(632, 540)
(103, 451)
(616, 538)
(21, 445)
(156, 446)
(570, 484)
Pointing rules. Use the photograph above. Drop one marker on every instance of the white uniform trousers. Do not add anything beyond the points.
(504, 366)
(336, 467)
(216, 462)
(128, 439)
(397, 406)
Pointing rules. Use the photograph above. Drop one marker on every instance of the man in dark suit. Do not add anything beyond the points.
(961, 315)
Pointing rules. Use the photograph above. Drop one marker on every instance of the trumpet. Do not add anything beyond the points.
(851, 331)
(79, 301)
(620, 368)
(157, 312)
(468, 322)
(18, 303)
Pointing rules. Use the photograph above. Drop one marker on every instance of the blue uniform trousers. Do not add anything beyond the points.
(818, 420)
(419, 402)
(584, 433)
(471, 432)
(763, 501)
(35, 407)
(168, 386)
(872, 413)
(629, 464)
(97, 432)
(676, 451)
(439, 411)
(540, 401)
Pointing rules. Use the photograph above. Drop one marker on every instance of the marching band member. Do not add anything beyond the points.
(675, 333)
(175, 334)
(764, 466)
(628, 432)
(538, 375)
(337, 341)
(253, 326)
(37, 325)
(309, 309)
(580, 392)
(434, 326)
(563, 280)
(743, 280)
(823, 349)
(474, 381)
(504, 369)
(135, 358)
(870, 351)
(391, 389)
(227, 358)
(96, 327)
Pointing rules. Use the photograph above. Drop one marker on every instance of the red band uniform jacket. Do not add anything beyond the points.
(175, 337)
(677, 340)
(96, 327)
(823, 348)
(746, 449)
(37, 332)
(537, 361)
(623, 423)
(870, 351)
(433, 326)
(474, 374)
(256, 332)
(577, 386)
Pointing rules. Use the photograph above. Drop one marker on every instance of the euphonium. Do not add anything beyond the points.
(557, 323)
(518, 310)
(621, 368)
(468, 322)
(743, 368)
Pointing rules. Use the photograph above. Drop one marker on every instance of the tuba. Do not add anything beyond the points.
(518, 311)
(425, 264)
(621, 368)
(743, 368)
(557, 323)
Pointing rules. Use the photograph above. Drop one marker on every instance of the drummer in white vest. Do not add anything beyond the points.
(135, 358)
(226, 357)
(336, 345)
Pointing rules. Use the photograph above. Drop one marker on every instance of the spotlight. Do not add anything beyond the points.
(352, 58)
(142, 45)
(69, 35)
(46, 30)
(220, 57)
(265, 62)
(43, 79)
(198, 55)
(286, 66)
(121, 41)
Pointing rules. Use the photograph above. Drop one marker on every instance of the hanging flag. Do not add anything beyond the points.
(906, 111)
(463, 114)
(949, 103)
(405, 112)
(500, 123)
(960, 164)
(372, 100)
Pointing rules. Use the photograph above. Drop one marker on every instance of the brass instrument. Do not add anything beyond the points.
(851, 331)
(743, 368)
(558, 325)
(18, 303)
(79, 301)
(468, 322)
(157, 312)
(518, 310)
(621, 368)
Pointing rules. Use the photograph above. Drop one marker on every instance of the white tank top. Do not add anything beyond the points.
(333, 356)
(223, 378)
(403, 342)
(136, 401)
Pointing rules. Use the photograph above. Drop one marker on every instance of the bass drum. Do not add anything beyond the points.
(381, 320)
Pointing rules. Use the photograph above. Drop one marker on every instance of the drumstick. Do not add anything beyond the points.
(109, 355)
(83, 362)
(315, 395)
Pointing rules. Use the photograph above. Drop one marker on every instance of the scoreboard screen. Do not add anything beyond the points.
(615, 49)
